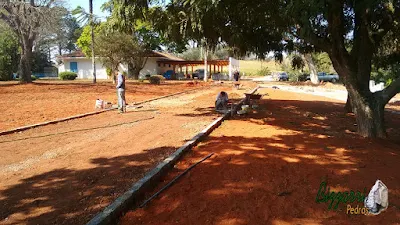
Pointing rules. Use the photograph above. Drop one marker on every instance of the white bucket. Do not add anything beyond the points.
(99, 104)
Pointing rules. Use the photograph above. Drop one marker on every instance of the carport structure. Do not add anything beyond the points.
(213, 65)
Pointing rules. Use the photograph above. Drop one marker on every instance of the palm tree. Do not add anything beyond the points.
(92, 33)
(88, 18)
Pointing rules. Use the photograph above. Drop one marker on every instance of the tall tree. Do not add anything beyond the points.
(92, 34)
(26, 18)
(90, 19)
(114, 47)
(67, 33)
(351, 32)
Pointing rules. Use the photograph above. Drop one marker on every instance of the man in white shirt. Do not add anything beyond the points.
(121, 92)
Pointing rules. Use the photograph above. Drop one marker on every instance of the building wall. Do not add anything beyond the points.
(85, 70)
(151, 67)
(162, 68)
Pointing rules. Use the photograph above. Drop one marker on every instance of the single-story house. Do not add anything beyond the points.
(77, 62)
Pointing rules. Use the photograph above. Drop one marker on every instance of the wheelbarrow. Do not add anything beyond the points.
(252, 97)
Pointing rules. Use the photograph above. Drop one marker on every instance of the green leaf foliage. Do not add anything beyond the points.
(9, 52)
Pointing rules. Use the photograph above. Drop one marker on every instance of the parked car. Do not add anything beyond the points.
(322, 76)
(199, 74)
(281, 76)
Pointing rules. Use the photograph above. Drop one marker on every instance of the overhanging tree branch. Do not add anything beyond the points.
(390, 91)
(320, 42)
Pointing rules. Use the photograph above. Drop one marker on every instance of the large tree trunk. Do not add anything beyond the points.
(311, 66)
(133, 72)
(25, 63)
(369, 112)
(348, 108)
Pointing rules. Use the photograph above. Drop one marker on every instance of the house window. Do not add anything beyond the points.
(73, 67)
(169, 65)
(159, 65)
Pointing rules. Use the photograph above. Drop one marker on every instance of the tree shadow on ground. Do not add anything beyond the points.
(268, 167)
(68, 196)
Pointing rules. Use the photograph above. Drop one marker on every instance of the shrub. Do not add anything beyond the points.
(32, 77)
(147, 76)
(67, 75)
(156, 79)
(109, 72)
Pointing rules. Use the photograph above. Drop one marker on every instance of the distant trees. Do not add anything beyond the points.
(26, 19)
(114, 47)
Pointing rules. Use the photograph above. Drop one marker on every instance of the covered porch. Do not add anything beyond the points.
(187, 67)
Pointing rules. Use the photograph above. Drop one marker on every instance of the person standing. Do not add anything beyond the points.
(121, 92)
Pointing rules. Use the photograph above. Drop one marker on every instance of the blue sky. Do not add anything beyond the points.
(72, 4)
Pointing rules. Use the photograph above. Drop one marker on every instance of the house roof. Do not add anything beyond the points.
(75, 54)
(195, 62)
(154, 54)
(167, 56)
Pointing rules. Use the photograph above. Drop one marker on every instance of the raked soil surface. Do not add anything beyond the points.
(67, 172)
(268, 167)
(26, 104)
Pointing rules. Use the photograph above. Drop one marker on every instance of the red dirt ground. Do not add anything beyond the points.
(268, 167)
(42, 101)
(65, 173)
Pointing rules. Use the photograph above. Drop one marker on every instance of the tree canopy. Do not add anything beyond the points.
(9, 52)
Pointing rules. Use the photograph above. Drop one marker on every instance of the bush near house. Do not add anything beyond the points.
(67, 75)
(156, 79)
(32, 77)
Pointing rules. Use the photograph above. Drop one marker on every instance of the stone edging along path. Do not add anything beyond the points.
(18, 129)
(123, 203)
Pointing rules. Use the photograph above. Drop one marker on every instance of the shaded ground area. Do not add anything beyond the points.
(268, 167)
(42, 101)
(335, 90)
(65, 173)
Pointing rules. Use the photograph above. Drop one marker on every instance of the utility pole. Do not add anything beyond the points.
(92, 34)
